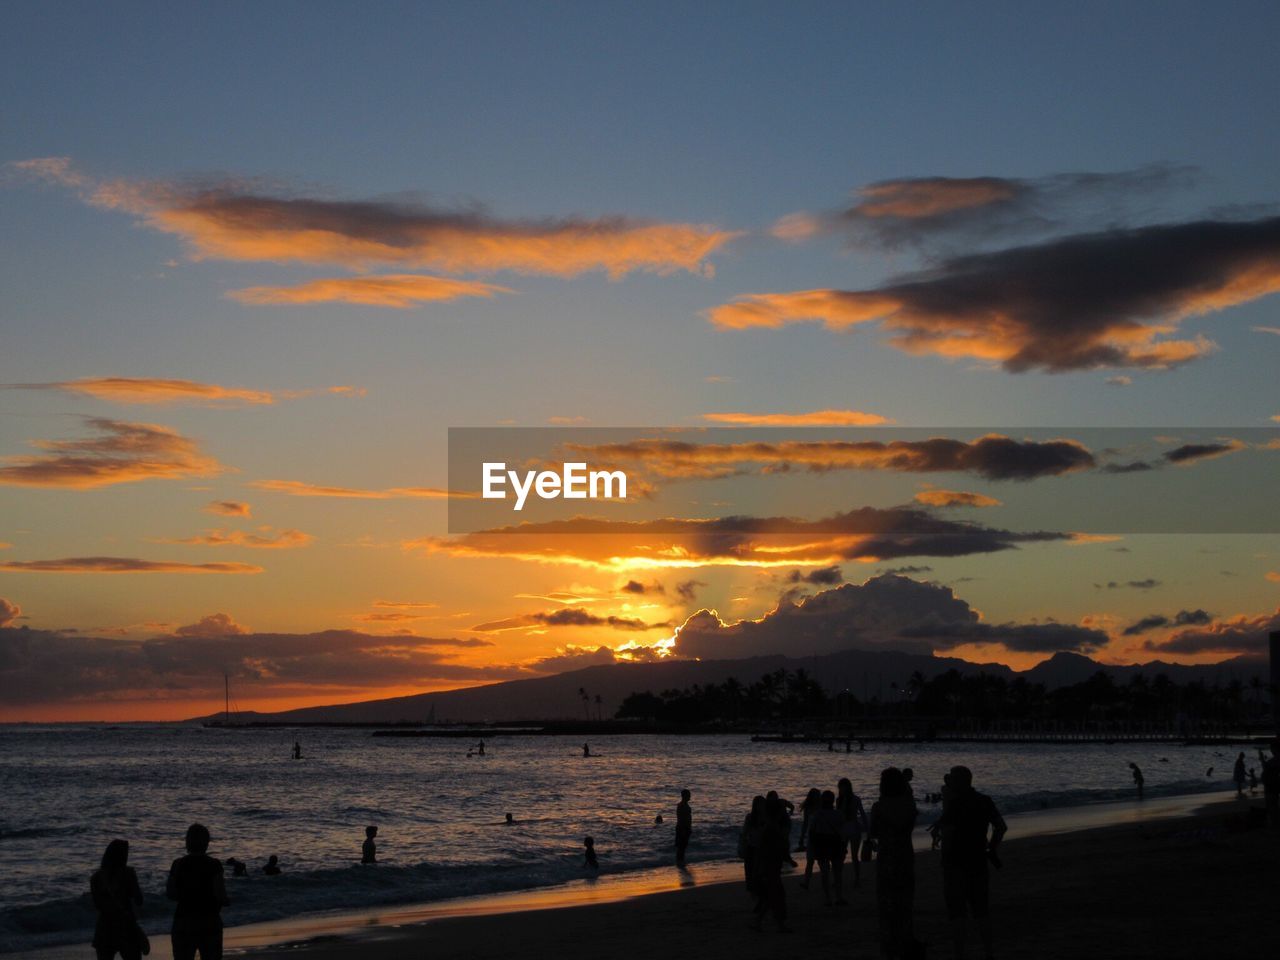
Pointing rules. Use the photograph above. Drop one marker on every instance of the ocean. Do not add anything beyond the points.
(65, 791)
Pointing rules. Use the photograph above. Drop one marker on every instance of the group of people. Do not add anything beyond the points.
(835, 825)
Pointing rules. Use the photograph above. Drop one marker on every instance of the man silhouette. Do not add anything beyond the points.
(196, 885)
(684, 826)
(966, 850)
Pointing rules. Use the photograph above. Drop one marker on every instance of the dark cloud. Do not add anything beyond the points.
(122, 565)
(1241, 634)
(38, 666)
(1183, 618)
(1148, 584)
(867, 533)
(993, 456)
(643, 589)
(1191, 452)
(887, 610)
(908, 571)
(823, 576)
(917, 210)
(1107, 299)
(568, 617)
(687, 590)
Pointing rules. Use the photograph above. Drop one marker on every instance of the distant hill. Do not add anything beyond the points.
(864, 673)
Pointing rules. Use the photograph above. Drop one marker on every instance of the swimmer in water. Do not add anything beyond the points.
(369, 851)
(510, 819)
(297, 750)
(586, 749)
(590, 862)
(272, 869)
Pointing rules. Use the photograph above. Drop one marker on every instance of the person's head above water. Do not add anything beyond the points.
(116, 855)
(197, 838)
(372, 832)
(961, 777)
(510, 819)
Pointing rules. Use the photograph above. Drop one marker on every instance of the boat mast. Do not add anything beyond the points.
(226, 697)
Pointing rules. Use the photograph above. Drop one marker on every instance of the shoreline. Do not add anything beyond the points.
(303, 932)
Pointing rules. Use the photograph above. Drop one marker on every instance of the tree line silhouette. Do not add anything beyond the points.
(983, 697)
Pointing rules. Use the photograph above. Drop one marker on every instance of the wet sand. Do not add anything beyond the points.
(1185, 886)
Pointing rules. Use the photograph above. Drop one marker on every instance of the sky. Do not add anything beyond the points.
(258, 260)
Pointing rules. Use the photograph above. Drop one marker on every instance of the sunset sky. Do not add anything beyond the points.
(256, 261)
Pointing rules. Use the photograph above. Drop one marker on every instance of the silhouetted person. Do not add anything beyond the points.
(808, 809)
(369, 850)
(893, 817)
(272, 869)
(480, 748)
(684, 826)
(117, 898)
(1253, 780)
(749, 840)
(826, 845)
(1138, 779)
(1240, 776)
(910, 775)
(196, 885)
(238, 869)
(297, 750)
(853, 823)
(785, 809)
(510, 819)
(771, 854)
(966, 850)
(1271, 783)
(591, 863)
(586, 749)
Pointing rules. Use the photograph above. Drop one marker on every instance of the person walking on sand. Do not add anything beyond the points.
(1138, 779)
(892, 819)
(966, 850)
(826, 845)
(808, 809)
(1239, 775)
(369, 849)
(117, 898)
(853, 820)
(749, 840)
(684, 826)
(771, 896)
(195, 884)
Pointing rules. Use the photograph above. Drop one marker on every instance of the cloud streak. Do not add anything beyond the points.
(246, 221)
(1107, 299)
(815, 418)
(122, 452)
(159, 391)
(121, 565)
(299, 488)
(395, 291)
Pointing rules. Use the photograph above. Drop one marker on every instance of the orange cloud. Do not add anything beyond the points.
(817, 418)
(1129, 291)
(397, 291)
(121, 565)
(867, 534)
(9, 612)
(236, 220)
(1273, 576)
(214, 625)
(123, 452)
(277, 540)
(955, 498)
(152, 390)
(299, 488)
(397, 604)
(229, 508)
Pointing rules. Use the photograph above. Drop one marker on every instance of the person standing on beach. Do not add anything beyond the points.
(826, 845)
(1138, 779)
(772, 853)
(749, 840)
(808, 808)
(1240, 776)
(196, 885)
(1271, 783)
(117, 898)
(684, 826)
(893, 817)
(853, 819)
(966, 851)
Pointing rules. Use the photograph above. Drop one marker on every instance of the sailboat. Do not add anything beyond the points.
(226, 706)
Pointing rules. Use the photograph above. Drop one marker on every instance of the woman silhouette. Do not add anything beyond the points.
(117, 898)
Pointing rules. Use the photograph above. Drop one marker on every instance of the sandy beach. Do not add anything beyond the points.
(1181, 887)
